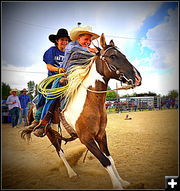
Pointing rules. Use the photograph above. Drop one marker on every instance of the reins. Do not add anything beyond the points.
(105, 91)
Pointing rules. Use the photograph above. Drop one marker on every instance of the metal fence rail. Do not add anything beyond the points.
(140, 104)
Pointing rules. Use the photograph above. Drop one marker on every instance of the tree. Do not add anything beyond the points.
(31, 88)
(111, 95)
(5, 90)
(173, 94)
(36, 91)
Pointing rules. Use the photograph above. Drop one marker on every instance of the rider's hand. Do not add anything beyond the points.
(66, 74)
(94, 50)
(61, 70)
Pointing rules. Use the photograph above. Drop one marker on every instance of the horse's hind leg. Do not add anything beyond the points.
(55, 139)
(104, 148)
(71, 172)
(93, 148)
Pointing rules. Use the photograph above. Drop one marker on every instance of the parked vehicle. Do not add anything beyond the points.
(5, 112)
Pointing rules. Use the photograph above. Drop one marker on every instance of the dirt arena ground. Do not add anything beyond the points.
(145, 150)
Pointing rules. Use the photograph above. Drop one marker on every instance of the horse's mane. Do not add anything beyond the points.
(77, 74)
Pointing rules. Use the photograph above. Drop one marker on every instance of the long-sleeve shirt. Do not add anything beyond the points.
(54, 57)
(10, 101)
(70, 48)
(24, 99)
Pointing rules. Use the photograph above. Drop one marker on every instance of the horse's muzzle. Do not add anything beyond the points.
(138, 80)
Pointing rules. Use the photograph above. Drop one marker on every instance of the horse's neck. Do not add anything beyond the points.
(93, 81)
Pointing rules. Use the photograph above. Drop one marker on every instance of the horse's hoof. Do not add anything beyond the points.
(117, 187)
(71, 173)
(125, 183)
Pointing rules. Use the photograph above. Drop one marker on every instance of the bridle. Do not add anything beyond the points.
(111, 67)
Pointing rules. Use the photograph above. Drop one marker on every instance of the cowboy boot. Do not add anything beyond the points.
(33, 124)
(41, 129)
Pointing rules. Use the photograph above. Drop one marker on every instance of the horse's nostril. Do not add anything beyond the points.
(130, 82)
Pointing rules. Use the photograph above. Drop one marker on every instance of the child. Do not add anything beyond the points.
(53, 58)
(81, 37)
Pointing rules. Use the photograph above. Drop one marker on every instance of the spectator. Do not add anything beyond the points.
(24, 100)
(14, 107)
(176, 103)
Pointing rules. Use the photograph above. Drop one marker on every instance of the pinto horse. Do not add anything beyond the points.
(85, 110)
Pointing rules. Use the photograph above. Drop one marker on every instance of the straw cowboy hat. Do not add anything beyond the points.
(82, 30)
(24, 90)
(61, 33)
(13, 90)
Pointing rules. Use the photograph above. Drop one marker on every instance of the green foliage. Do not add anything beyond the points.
(31, 88)
(36, 91)
(5, 89)
(111, 95)
(173, 94)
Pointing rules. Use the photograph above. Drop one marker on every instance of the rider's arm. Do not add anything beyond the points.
(55, 69)
(48, 58)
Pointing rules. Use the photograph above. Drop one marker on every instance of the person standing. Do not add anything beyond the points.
(14, 107)
(24, 100)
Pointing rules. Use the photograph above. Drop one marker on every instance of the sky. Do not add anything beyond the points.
(145, 31)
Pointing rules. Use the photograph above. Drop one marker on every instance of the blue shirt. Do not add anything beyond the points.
(54, 57)
(24, 99)
(70, 48)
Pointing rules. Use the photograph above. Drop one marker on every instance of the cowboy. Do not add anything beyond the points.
(24, 100)
(14, 106)
(53, 58)
(81, 37)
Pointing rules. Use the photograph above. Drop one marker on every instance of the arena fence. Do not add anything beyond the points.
(140, 104)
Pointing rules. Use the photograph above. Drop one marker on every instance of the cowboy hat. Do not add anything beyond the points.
(13, 90)
(61, 33)
(24, 90)
(82, 30)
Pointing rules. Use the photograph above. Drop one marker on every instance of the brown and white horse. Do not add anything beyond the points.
(86, 111)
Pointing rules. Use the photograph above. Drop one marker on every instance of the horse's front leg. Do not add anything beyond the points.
(93, 148)
(102, 142)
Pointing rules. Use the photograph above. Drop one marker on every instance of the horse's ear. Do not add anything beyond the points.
(103, 41)
(112, 43)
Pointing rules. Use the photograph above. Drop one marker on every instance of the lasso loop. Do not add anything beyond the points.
(51, 93)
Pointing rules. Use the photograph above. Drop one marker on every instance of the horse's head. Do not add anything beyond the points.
(113, 64)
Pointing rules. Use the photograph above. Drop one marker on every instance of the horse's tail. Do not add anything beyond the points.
(26, 133)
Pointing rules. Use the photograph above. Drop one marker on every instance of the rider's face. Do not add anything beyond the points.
(85, 40)
(62, 43)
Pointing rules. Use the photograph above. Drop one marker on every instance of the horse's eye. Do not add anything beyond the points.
(112, 56)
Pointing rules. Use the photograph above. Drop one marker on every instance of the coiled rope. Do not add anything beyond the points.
(77, 58)
(51, 93)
